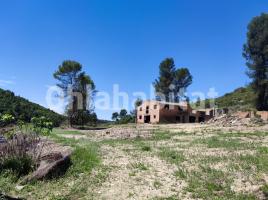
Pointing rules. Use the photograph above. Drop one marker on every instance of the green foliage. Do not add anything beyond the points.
(123, 117)
(172, 82)
(198, 102)
(82, 117)
(138, 102)
(42, 125)
(6, 119)
(84, 83)
(19, 165)
(140, 166)
(240, 99)
(123, 113)
(115, 116)
(171, 156)
(25, 110)
(166, 76)
(71, 76)
(182, 79)
(256, 54)
(84, 159)
(264, 189)
(146, 148)
(67, 74)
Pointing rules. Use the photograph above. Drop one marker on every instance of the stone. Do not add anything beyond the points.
(19, 187)
(51, 166)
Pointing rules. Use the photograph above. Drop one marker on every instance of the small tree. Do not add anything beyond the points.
(42, 125)
(6, 119)
(123, 117)
(198, 102)
(115, 116)
(122, 113)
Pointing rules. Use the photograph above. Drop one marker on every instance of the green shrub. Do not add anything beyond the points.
(81, 117)
(6, 119)
(42, 125)
(18, 165)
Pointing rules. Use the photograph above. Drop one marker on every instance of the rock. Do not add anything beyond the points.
(51, 157)
(51, 166)
(19, 187)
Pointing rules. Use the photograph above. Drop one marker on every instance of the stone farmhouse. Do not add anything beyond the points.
(152, 111)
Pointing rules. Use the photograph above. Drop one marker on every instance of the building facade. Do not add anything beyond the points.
(163, 112)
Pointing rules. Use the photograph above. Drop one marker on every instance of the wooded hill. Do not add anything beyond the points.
(24, 110)
(241, 99)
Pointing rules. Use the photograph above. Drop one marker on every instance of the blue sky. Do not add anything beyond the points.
(123, 41)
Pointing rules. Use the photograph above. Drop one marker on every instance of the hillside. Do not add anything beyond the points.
(240, 99)
(22, 109)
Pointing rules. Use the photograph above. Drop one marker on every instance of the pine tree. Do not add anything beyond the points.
(256, 54)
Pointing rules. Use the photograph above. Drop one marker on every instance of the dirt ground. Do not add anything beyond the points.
(182, 161)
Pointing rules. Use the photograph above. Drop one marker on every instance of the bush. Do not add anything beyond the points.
(42, 125)
(20, 165)
(20, 154)
(81, 117)
(6, 119)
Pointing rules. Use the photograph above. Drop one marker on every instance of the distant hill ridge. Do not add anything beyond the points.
(23, 109)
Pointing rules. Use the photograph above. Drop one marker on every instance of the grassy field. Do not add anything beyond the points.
(169, 164)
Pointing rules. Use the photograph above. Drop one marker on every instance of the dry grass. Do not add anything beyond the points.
(170, 162)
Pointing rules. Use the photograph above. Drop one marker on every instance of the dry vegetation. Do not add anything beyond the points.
(183, 161)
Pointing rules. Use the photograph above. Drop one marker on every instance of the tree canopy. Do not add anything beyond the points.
(79, 88)
(123, 117)
(171, 83)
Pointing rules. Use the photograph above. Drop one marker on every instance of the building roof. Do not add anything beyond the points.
(182, 103)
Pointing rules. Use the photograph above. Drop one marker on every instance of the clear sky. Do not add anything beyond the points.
(123, 41)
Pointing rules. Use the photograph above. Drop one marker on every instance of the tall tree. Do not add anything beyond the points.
(256, 54)
(163, 85)
(72, 79)
(87, 89)
(182, 80)
(123, 113)
(137, 103)
(67, 74)
(171, 83)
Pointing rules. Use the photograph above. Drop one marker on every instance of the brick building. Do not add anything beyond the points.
(152, 111)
